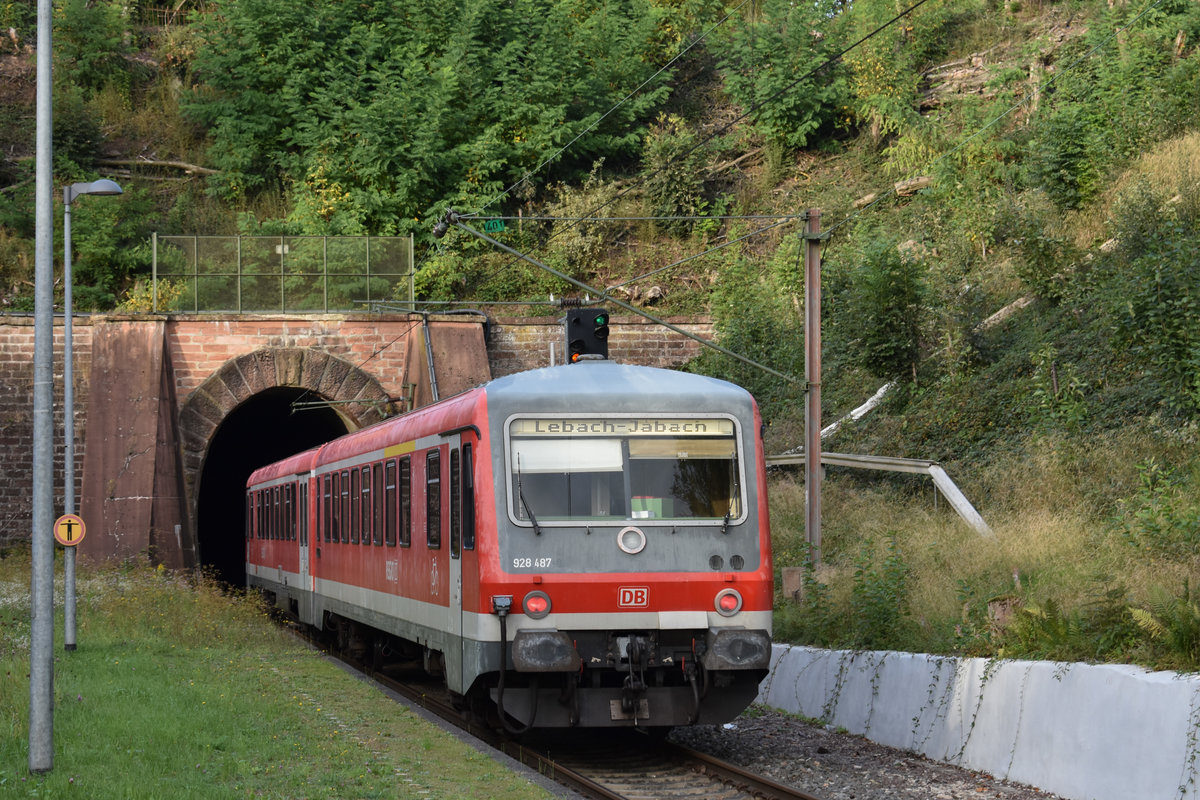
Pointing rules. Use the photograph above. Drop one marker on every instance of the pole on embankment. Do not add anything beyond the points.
(812, 376)
(41, 644)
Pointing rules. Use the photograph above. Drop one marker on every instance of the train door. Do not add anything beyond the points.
(304, 519)
(455, 559)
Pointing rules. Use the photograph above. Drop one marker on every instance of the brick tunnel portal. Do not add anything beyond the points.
(263, 429)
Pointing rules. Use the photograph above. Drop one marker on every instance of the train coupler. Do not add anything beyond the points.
(635, 681)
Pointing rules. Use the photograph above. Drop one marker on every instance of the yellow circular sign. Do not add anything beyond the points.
(69, 530)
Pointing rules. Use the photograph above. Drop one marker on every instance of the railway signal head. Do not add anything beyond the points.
(587, 333)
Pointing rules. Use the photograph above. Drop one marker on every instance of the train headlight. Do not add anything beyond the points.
(536, 604)
(631, 540)
(728, 602)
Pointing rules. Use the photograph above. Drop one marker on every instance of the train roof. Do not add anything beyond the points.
(588, 386)
(622, 387)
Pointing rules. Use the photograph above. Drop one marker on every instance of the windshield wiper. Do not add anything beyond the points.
(524, 503)
(737, 492)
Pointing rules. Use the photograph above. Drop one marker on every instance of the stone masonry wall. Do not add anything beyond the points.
(516, 344)
(200, 345)
(16, 419)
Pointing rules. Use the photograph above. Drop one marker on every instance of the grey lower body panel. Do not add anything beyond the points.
(657, 706)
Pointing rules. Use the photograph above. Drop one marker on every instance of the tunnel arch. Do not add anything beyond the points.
(246, 415)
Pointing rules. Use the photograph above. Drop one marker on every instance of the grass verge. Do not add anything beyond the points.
(1094, 558)
(178, 690)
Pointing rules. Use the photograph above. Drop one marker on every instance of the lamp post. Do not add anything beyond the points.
(101, 187)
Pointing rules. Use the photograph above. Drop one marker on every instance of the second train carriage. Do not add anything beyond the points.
(581, 545)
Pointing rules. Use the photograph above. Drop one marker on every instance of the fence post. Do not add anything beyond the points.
(154, 271)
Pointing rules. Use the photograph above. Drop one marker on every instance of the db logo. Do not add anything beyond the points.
(633, 596)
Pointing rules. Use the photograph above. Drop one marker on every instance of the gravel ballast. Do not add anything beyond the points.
(839, 766)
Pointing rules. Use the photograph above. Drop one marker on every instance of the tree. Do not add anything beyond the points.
(375, 117)
(886, 303)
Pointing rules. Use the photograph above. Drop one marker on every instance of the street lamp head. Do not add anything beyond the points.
(102, 186)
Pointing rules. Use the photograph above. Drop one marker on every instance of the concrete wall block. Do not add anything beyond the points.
(1094, 732)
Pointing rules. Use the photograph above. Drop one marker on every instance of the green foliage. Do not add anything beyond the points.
(1046, 264)
(886, 305)
(1173, 622)
(373, 119)
(813, 618)
(575, 243)
(1160, 520)
(766, 62)
(1123, 93)
(144, 297)
(673, 163)
(90, 43)
(1150, 288)
(878, 598)
(110, 240)
(758, 315)
(1103, 628)
(886, 69)
(20, 15)
(76, 135)
(1065, 162)
(1058, 392)
(973, 635)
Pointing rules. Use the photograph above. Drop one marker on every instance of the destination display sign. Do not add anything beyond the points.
(613, 426)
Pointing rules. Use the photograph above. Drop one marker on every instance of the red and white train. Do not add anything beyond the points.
(582, 545)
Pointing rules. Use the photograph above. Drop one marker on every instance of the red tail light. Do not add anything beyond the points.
(728, 602)
(536, 605)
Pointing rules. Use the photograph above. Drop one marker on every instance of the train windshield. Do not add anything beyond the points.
(588, 469)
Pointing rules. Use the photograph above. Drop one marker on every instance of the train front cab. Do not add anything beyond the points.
(632, 580)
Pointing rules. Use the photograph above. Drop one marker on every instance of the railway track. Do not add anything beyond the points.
(607, 764)
(627, 765)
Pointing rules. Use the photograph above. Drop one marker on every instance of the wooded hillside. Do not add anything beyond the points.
(1011, 193)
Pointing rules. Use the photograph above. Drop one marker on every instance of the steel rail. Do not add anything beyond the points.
(587, 779)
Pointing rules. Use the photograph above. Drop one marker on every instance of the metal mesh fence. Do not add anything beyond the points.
(280, 273)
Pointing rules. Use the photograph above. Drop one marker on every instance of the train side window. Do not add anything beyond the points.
(389, 503)
(367, 506)
(455, 502)
(331, 507)
(433, 499)
(377, 504)
(355, 519)
(303, 513)
(275, 515)
(289, 512)
(345, 502)
(405, 502)
(468, 501)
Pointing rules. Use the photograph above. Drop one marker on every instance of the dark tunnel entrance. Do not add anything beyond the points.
(259, 431)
